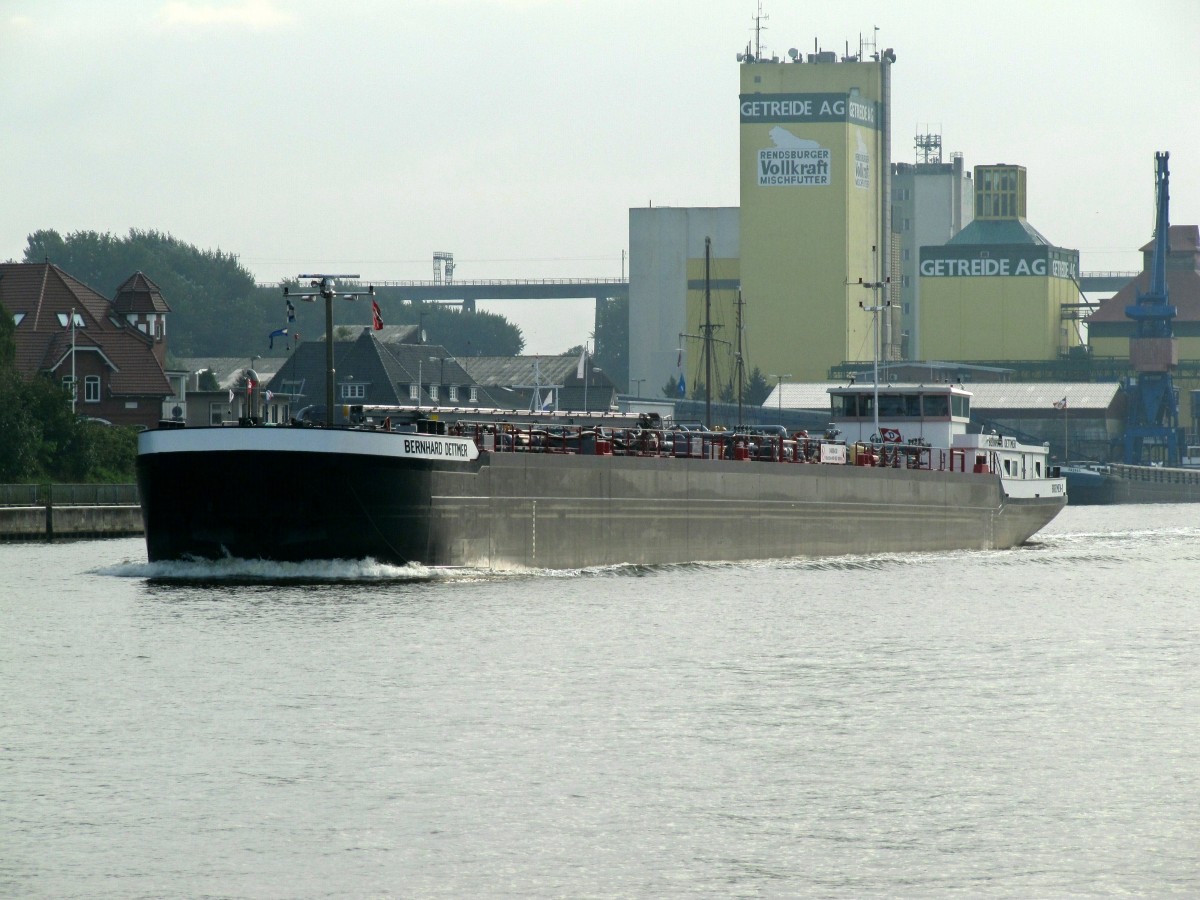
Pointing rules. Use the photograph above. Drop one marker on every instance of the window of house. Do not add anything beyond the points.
(64, 319)
(353, 391)
(216, 413)
(453, 389)
(434, 389)
(474, 395)
(17, 317)
(68, 384)
(414, 392)
(91, 389)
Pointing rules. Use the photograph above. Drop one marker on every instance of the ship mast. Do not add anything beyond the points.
(707, 333)
(739, 360)
(326, 287)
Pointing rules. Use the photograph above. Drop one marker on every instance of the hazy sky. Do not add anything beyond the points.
(363, 135)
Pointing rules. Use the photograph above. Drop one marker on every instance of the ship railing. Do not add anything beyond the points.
(504, 437)
(915, 454)
(798, 447)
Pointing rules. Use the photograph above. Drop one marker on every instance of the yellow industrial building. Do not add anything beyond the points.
(997, 289)
(814, 169)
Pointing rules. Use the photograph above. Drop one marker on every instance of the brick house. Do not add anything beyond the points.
(120, 346)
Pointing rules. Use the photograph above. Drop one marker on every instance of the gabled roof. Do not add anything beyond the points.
(508, 371)
(1181, 239)
(228, 369)
(384, 369)
(138, 294)
(41, 293)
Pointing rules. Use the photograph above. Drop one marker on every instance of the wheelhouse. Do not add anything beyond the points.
(933, 413)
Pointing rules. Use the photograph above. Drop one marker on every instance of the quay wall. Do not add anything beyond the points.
(49, 511)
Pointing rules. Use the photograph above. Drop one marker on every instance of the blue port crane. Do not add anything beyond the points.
(1152, 411)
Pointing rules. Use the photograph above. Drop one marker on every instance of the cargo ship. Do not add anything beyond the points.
(895, 471)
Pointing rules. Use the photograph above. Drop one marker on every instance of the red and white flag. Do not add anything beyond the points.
(376, 317)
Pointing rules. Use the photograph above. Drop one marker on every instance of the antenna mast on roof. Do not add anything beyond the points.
(759, 28)
(929, 147)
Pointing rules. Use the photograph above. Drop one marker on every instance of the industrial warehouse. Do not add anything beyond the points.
(840, 260)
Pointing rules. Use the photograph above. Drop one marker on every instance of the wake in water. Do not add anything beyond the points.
(257, 571)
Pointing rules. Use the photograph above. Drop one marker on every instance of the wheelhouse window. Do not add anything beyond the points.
(935, 406)
(91, 389)
(962, 406)
(845, 406)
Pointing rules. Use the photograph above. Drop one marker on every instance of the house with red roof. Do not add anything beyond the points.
(111, 354)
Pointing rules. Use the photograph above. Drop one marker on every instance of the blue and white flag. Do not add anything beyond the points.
(278, 332)
(682, 386)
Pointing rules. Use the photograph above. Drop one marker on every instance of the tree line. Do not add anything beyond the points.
(217, 308)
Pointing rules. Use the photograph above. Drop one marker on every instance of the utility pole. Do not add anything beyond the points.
(875, 309)
(779, 392)
(740, 362)
(74, 384)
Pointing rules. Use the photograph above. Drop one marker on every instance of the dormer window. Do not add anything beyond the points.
(64, 319)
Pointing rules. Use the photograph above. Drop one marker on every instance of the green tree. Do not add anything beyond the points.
(465, 334)
(216, 308)
(8, 347)
(612, 340)
(757, 388)
(20, 436)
